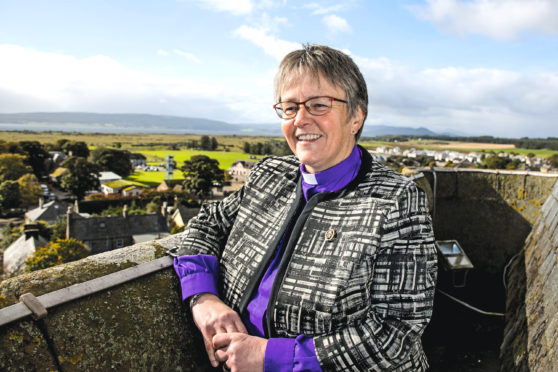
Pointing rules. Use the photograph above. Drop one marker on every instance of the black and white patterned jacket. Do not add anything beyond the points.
(358, 272)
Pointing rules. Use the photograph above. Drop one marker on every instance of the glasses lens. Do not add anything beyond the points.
(286, 109)
(319, 105)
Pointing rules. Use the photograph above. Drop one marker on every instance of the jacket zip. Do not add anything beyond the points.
(255, 280)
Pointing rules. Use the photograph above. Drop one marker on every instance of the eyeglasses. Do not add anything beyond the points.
(316, 106)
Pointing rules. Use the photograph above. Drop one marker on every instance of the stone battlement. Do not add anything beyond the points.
(142, 325)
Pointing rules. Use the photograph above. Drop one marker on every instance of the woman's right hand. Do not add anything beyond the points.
(212, 317)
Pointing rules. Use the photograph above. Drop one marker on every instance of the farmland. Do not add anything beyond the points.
(157, 146)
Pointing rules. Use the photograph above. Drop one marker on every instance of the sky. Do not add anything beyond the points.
(475, 67)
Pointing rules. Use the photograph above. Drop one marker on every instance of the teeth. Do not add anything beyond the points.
(308, 137)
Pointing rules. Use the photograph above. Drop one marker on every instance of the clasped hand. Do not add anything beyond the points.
(225, 337)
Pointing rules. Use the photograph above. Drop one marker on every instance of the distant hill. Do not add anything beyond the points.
(146, 123)
(382, 130)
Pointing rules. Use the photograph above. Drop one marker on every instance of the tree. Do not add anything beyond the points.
(76, 148)
(29, 189)
(205, 143)
(56, 253)
(200, 172)
(58, 230)
(553, 160)
(214, 144)
(246, 147)
(12, 166)
(9, 195)
(80, 176)
(117, 161)
(36, 157)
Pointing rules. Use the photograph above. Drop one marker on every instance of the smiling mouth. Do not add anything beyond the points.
(308, 137)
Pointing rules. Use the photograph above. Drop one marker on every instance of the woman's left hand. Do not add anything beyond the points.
(240, 351)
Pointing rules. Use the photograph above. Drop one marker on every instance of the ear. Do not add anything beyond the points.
(357, 120)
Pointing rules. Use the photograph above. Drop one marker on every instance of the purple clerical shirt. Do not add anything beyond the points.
(199, 274)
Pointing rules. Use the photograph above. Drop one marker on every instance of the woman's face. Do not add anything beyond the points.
(319, 142)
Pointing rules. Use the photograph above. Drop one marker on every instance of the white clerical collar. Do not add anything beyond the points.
(309, 178)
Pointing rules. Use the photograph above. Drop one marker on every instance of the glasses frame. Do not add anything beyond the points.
(306, 107)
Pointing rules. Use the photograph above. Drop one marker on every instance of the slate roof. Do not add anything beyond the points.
(50, 212)
(87, 229)
(107, 176)
(16, 254)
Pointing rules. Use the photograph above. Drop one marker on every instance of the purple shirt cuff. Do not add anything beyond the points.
(198, 274)
(279, 354)
(289, 354)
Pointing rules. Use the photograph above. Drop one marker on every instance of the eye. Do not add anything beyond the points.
(289, 107)
(318, 105)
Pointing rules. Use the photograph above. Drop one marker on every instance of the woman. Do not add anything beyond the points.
(324, 260)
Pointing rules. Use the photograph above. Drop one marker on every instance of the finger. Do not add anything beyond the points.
(232, 327)
(240, 326)
(221, 340)
(221, 355)
(210, 352)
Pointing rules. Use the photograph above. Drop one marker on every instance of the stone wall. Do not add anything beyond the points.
(490, 213)
(142, 325)
(532, 322)
(139, 325)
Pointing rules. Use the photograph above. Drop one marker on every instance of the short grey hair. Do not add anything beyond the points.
(334, 66)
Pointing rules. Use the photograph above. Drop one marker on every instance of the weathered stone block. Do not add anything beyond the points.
(138, 325)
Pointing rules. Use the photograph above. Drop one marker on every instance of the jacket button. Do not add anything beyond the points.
(330, 235)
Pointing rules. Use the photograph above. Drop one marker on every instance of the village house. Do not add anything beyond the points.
(182, 215)
(240, 169)
(107, 176)
(123, 187)
(101, 234)
(174, 185)
(138, 160)
(49, 212)
(20, 250)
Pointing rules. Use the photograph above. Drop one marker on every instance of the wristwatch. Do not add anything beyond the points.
(195, 298)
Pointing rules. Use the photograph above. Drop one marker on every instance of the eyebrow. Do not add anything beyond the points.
(292, 100)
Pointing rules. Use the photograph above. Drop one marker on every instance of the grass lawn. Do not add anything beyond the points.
(152, 178)
(225, 159)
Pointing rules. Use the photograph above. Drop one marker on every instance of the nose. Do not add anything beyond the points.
(302, 116)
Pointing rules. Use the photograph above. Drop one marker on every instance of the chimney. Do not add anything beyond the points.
(31, 231)
(125, 211)
(41, 202)
(68, 220)
(164, 209)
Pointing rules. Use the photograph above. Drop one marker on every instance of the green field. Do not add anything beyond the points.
(152, 178)
(156, 157)
(225, 159)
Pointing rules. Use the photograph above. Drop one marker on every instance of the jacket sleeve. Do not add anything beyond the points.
(401, 291)
(207, 233)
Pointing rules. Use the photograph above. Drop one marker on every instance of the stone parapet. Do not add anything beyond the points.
(139, 325)
(532, 321)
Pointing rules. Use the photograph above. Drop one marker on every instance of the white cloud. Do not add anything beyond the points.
(336, 23)
(236, 7)
(319, 8)
(476, 101)
(162, 52)
(32, 80)
(269, 43)
(498, 19)
(188, 56)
